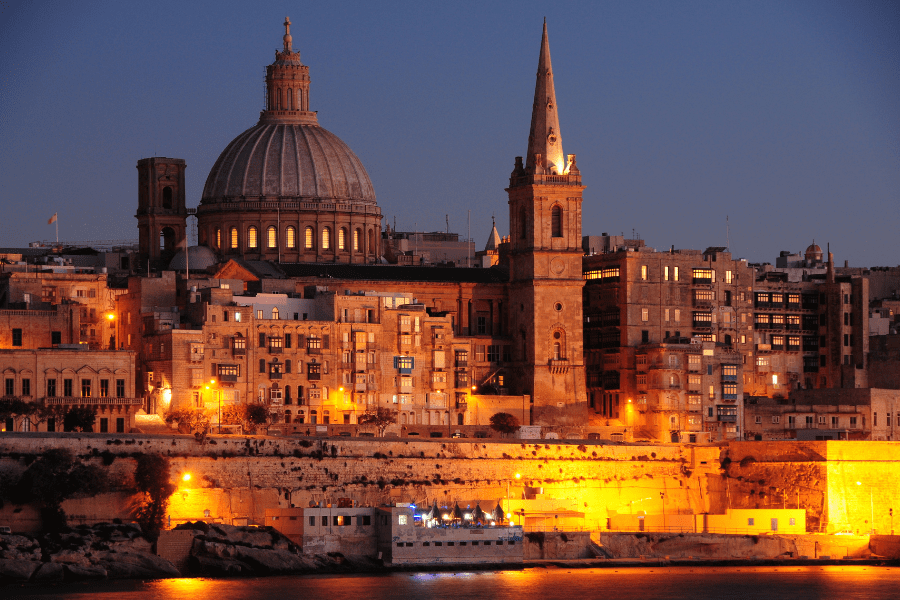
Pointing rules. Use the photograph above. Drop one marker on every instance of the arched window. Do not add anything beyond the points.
(356, 235)
(275, 313)
(557, 351)
(278, 100)
(310, 238)
(252, 237)
(342, 239)
(326, 238)
(167, 197)
(271, 237)
(290, 237)
(370, 246)
(556, 221)
(218, 238)
(234, 238)
(290, 99)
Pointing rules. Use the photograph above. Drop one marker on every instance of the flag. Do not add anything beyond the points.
(52, 219)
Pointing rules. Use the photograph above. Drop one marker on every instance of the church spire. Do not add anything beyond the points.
(545, 153)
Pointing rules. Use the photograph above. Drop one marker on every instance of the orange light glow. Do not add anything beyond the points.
(186, 477)
(110, 316)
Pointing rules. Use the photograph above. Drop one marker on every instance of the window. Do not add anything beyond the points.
(275, 313)
(290, 238)
(342, 239)
(644, 272)
(271, 237)
(104, 388)
(326, 238)
(16, 337)
(675, 273)
(234, 238)
(218, 237)
(556, 221)
(645, 314)
(120, 388)
(665, 273)
(758, 420)
(852, 421)
(67, 387)
(356, 236)
(728, 276)
(51, 388)
(85, 388)
(252, 237)
(750, 521)
(309, 238)
(10, 389)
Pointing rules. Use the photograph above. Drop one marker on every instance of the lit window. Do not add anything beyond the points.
(643, 272)
(356, 236)
(309, 238)
(326, 238)
(252, 238)
(728, 276)
(271, 237)
(290, 236)
(342, 239)
(645, 314)
(234, 237)
(676, 274)
(666, 273)
(218, 237)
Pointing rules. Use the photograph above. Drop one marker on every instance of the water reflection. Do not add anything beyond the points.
(564, 583)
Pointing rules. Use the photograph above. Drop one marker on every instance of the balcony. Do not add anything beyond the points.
(462, 405)
(92, 401)
(559, 365)
(727, 418)
(462, 364)
(729, 377)
(314, 376)
(238, 351)
(810, 368)
(701, 280)
(275, 375)
(311, 350)
(276, 349)
(732, 397)
(702, 324)
(228, 378)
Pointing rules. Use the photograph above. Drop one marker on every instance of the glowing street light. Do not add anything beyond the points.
(186, 477)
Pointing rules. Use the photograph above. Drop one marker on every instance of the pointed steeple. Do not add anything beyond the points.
(545, 152)
(493, 241)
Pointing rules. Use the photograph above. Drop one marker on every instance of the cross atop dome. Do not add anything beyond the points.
(287, 35)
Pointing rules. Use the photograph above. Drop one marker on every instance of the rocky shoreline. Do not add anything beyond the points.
(122, 551)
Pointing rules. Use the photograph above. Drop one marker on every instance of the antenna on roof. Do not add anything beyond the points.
(727, 234)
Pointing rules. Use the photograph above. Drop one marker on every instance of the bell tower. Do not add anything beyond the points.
(161, 215)
(545, 263)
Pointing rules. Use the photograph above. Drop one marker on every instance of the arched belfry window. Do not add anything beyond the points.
(310, 238)
(271, 237)
(556, 221)
(252, 237)
(290, 237)
(167, 197)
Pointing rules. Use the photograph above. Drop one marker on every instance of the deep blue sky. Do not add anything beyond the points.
(783, 116)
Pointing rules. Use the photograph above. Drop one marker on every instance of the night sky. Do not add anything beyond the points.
(782, 116)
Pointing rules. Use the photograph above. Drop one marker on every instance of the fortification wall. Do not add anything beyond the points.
(234, 479)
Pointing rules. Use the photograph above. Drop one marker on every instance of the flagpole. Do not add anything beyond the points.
(57, 228)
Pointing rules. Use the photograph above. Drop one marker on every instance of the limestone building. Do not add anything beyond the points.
(289, 209)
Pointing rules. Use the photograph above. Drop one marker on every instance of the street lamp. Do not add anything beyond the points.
(111, 317)
(211, 383)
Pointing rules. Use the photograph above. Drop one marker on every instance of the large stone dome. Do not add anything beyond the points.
(287, 189)
(289, 160)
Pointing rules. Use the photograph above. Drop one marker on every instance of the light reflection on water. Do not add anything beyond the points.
(744, 583)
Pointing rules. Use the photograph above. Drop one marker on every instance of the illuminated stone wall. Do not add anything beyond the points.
(237, 478)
